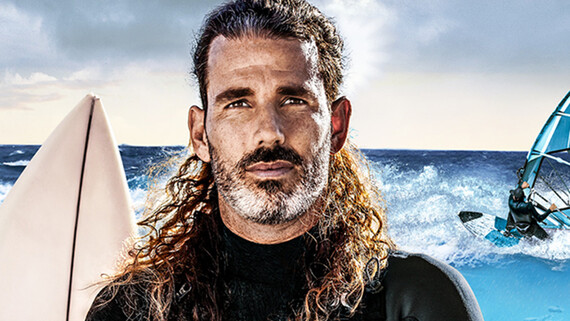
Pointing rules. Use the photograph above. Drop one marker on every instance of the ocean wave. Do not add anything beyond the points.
(20, 163)
(423, 204)
(138, 198)
(16, 152)
(139, 188)
(4, 189)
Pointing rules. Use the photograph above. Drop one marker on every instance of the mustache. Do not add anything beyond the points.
(266, 155)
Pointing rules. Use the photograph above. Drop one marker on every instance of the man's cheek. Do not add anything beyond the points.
(321, 127)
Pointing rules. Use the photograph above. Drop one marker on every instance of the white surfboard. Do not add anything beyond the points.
(64, 221)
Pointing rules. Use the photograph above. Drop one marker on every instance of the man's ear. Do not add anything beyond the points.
(340, 117)
(198, 138)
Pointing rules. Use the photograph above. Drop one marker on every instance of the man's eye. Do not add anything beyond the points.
(238, 104)
(294, 101)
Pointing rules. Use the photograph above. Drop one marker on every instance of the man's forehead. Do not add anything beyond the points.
(250, 50)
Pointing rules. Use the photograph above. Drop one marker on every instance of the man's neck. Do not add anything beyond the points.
(267, 233)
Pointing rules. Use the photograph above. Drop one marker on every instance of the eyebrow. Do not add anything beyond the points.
(294, 91)
(233, 93)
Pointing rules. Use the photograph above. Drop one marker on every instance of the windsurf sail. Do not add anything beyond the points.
(547, 167)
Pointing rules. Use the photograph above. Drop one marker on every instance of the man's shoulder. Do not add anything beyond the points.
(419, 286)
(120, 300)
(520, 206)
(419, 268)
(108, 305)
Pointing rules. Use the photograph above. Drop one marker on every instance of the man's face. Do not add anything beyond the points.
(267, 126)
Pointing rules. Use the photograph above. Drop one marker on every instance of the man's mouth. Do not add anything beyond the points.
(274, 169)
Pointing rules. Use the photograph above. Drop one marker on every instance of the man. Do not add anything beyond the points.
(273, 216)
(524, 217)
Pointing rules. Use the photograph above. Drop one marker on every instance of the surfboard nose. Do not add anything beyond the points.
(467, 216)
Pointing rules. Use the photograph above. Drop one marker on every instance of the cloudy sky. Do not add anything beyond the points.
(441, 74)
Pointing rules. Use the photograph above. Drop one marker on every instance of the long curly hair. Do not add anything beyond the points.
(182, 246)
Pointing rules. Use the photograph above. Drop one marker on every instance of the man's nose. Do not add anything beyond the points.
(269, 128)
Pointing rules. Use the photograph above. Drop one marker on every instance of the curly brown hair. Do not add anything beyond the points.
(182, 246)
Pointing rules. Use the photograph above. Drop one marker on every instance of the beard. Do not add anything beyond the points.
(272, 201)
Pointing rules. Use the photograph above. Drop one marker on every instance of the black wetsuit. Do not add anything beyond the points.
(525, 218)
(266, 282)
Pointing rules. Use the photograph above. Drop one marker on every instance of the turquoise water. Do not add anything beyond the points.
(521, 288)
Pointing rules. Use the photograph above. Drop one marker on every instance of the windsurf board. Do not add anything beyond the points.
(489, 227)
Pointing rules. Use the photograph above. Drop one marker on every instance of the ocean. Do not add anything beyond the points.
(424, 191)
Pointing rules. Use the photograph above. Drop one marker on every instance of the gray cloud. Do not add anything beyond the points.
(61, 37)
(488, 36)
